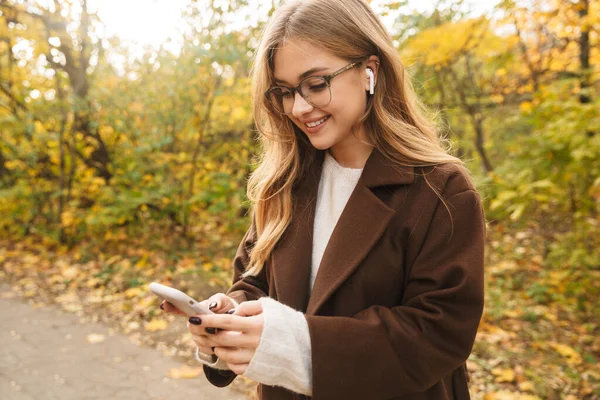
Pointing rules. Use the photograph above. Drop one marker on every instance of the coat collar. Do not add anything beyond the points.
(360, 225)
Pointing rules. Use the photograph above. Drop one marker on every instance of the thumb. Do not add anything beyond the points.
(218, 303)
(249, 308)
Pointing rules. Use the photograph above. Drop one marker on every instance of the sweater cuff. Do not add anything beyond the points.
(235, 303)
(283, 356)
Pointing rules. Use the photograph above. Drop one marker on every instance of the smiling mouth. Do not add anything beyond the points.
(317, 123)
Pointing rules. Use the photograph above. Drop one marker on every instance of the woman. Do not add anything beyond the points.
(361, 275)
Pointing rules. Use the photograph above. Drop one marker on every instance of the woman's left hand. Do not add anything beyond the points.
(237, 335)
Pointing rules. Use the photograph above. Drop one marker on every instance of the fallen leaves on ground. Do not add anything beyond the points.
(101, 286)
(185, 372)
(540, 334)
(539, 337)
(156, 325)
(95, 338)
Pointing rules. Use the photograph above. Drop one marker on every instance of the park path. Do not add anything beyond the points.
(44, 355)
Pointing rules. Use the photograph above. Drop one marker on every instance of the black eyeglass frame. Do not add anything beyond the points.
(326, 78)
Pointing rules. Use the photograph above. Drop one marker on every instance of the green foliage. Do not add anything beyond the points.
(551, 178)
(164, 143)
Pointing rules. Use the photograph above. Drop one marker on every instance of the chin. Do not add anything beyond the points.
(320, 144)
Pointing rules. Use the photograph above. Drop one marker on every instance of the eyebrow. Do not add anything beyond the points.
(305, 74)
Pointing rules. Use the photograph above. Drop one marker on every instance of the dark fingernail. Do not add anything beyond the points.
(195, 320)
(231, 311)
(162, 306)
(212, 305)
(210, 331)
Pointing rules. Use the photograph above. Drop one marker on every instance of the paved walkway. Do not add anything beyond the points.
(44, 355)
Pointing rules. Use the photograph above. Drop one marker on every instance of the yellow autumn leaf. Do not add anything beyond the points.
(156, 325)
(146, 302)
(67, 219)
(497, 98)
(503, 374)
(459, 37)
(93, 282)
(185, 372)
(513, 313)
(526, 107)
(143, 261)
(238, 114)
(14, 164)
(570, 353)
(70, 272)
(134, 292)
(506, 395)
(94, 338)
(39, 127)
(526, 386)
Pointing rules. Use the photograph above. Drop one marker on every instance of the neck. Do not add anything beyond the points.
(351, 153)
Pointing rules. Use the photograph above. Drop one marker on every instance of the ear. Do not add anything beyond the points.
(373, 64)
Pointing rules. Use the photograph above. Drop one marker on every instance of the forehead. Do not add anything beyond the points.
(296, 57)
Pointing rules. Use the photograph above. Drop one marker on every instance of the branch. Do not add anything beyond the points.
(11, 96)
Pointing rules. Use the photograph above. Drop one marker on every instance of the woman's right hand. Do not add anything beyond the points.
(218, 303)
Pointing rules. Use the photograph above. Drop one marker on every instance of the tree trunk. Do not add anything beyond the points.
(584, 52)
(480, 143)
(62, 179)
(204, 121)
(473, 110)
(445, 129)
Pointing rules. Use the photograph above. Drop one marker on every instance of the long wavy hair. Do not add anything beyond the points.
(395, 120)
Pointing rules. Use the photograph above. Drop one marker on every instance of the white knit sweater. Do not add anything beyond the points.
(283, 356)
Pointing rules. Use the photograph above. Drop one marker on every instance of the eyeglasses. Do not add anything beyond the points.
(316, 90)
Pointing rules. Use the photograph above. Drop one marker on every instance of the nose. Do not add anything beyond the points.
(301, 106)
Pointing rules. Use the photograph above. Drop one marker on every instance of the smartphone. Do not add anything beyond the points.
(179, 299)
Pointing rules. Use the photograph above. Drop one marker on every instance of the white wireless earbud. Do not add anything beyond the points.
(371, 81)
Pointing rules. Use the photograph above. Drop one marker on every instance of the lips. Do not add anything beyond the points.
(316, 122)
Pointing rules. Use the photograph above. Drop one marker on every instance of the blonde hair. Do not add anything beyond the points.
(395, 120)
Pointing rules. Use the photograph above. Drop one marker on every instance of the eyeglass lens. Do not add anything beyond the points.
(315, 90)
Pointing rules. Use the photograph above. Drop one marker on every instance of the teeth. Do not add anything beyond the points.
(313, 124)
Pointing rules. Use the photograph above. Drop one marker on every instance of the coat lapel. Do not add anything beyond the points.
(361, 224)
(293, 254)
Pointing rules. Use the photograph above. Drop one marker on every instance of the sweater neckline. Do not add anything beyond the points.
(341, 175)
(332, 161)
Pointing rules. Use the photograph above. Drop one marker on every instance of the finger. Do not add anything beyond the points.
(206, 350)
(229, 322)
(220, 303)
(235, 339)
(203, 341)
(170, 308)
(238, 369)
(199, 330)
(234, 355)
(249, 308)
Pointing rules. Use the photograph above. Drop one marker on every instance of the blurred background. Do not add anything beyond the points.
(126, 139)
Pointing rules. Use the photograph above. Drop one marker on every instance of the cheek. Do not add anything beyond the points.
(348, 105)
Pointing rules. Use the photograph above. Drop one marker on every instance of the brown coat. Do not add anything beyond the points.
(399, 293)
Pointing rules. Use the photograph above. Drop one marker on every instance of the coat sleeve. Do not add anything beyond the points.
(391, 352)
(242, 289)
